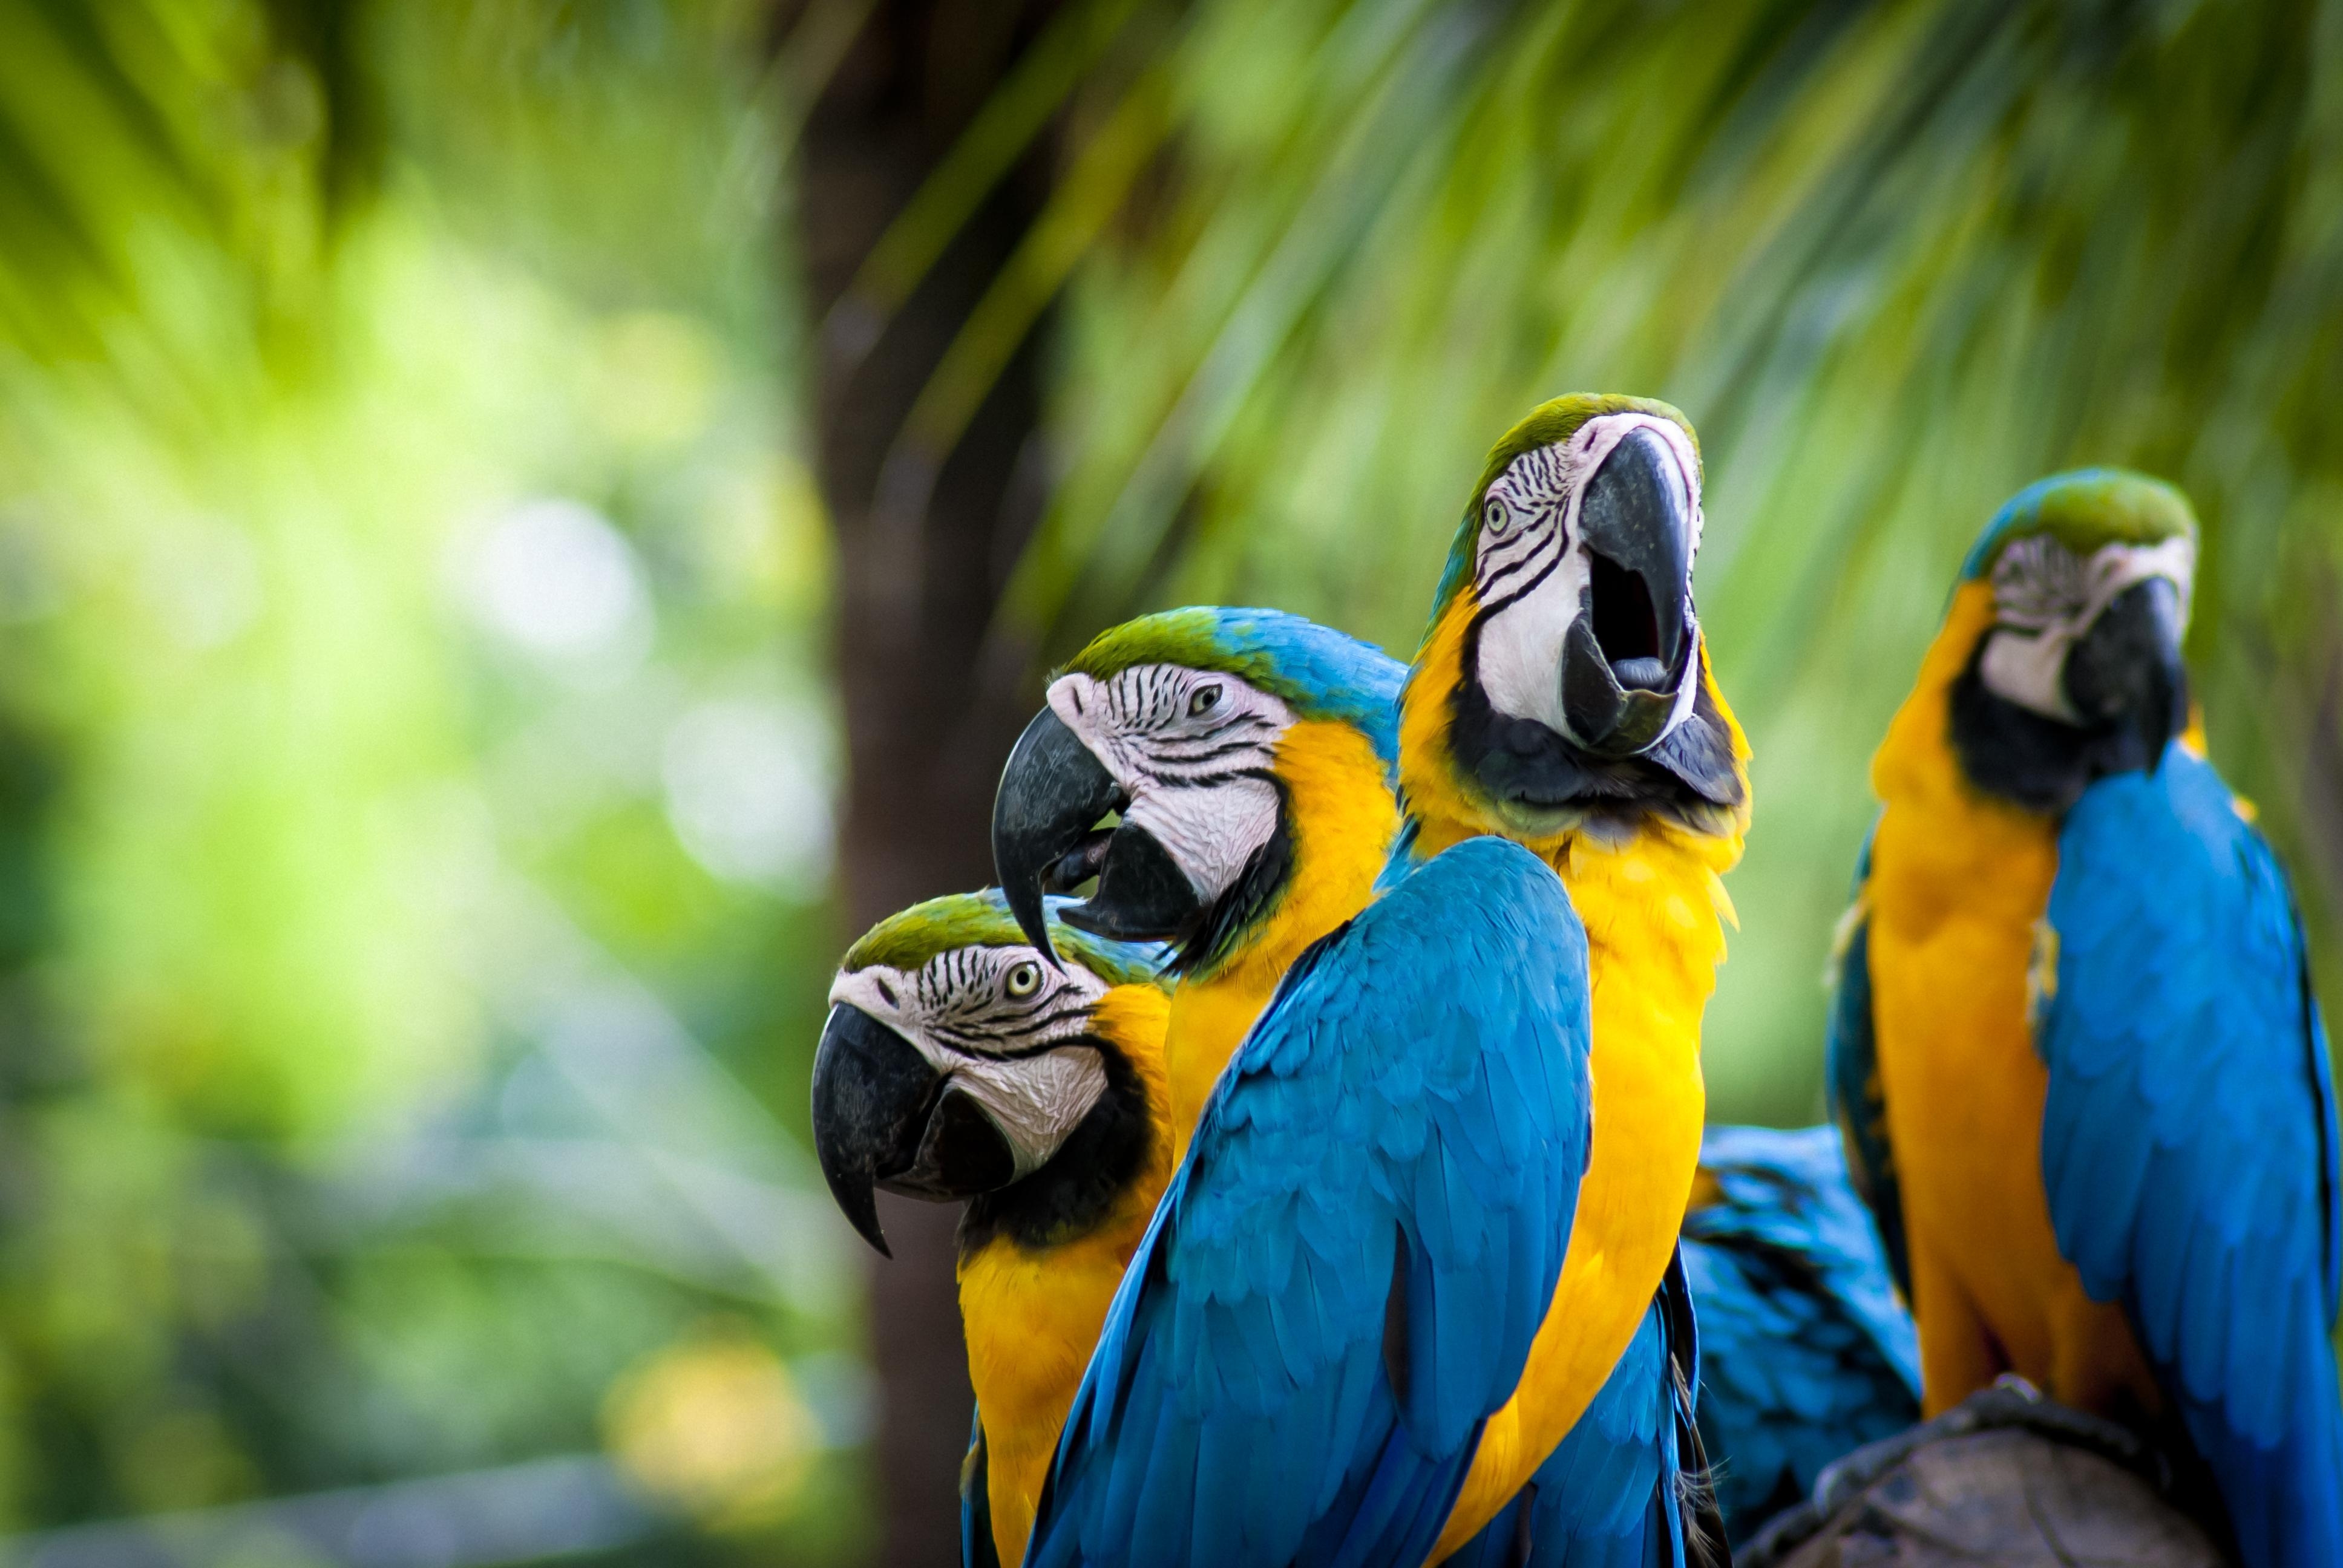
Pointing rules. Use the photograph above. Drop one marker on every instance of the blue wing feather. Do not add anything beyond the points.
(2322, 1070)
(2188, 1143)
(1419, 1082)
(1606, 1497)
(976, 1545)
(1808, 1352)
(1859, 1105)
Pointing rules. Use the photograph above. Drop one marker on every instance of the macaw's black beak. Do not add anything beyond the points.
(1045, 815)
(1623, 659)
(2125, 670)
(1046, 839)
(883, 1117)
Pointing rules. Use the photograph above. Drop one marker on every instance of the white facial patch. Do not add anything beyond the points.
(1193, 750)
(1532, 567)
(987, 1019)
(2044, 597)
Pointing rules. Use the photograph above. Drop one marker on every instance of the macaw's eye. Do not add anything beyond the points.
(1496, 517)
(1021, 981)
(1204, 700)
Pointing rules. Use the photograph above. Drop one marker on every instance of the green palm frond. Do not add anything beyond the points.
(151, 152)
(1895, 259)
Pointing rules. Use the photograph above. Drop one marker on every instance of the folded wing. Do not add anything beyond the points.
(1344, 1279)
(2188, 1143)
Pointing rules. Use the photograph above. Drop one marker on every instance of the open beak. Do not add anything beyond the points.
(1625, 657)
(2127, 669)
(1046, 839)
(882, 1117)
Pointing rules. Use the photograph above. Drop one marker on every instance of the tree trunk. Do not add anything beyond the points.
(921, 557)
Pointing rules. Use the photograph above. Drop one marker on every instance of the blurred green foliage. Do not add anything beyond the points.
(414, 776)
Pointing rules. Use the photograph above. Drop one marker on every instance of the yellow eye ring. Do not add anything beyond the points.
(1203, 700)
(1495, 515)
(1022, 980)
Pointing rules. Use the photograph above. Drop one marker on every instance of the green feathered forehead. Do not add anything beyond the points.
(907, 940)
(1190, 638)
(2084, 510)
(1309, 665)
(1550, 424)
(1319, 672)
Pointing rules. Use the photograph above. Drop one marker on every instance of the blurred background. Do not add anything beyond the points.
(525, 525)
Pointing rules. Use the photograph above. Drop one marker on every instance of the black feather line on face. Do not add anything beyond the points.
(981, 1039)
(1078, 1186)
(1498, 593)
(1196, 756)
(1208, 780)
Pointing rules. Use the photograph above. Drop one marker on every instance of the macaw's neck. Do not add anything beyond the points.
(1339, 821)
(1466, 768)
(1033, 1296)
(1943, 843)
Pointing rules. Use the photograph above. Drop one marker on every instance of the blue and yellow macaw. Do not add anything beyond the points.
(1623, 769)
(1251, 755)
(958, 1064)
(2079, 1058)
(1806, 1354)
(1408, 1248)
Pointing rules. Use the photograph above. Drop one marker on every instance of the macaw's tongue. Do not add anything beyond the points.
(1626, 628)
(1640, 674)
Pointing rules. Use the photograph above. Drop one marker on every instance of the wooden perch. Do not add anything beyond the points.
(2007, 1478)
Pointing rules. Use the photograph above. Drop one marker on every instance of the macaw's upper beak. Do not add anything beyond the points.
(1046, 839)
(2125, 668)
(882, 1117)
(1624, 660)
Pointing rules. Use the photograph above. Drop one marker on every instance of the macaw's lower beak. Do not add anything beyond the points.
(1625, 659)
(1046, 839)
(882, 1117)
(1142, 894)
(2125, 668)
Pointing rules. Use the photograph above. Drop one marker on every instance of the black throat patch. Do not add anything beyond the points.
(1687, 778)
(2040, 763)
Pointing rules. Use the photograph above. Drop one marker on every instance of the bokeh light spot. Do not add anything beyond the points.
(714, 1426)
(748, 790)
(553, 577)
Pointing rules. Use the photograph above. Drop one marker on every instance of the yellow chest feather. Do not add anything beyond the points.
(1032, 1316)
